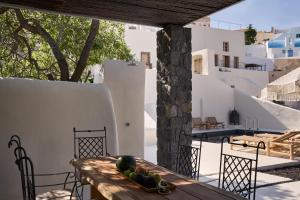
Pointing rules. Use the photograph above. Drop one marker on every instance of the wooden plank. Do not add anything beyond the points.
(148, 12)
(102, 174)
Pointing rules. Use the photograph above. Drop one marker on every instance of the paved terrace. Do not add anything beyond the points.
(281, 189)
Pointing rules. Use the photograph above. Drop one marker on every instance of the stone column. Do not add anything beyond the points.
(174, 87)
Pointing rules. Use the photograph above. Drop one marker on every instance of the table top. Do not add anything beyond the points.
(103, 175)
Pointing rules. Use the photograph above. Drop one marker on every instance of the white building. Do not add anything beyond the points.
(228, 46)
(285, 44)
(221, 82)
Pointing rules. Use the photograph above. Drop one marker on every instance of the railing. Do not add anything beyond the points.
(240, 65)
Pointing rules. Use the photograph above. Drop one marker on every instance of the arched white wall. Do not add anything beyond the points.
(43, 114)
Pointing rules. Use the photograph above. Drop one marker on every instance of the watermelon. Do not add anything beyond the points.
(125, 163)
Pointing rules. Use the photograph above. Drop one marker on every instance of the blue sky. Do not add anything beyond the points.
(261, 13)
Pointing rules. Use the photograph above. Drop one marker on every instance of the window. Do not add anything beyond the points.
(226, 46)
(298, 35)
(236, 62)
(226, 61)
(198, 65)
(145, 58)
(216, 60)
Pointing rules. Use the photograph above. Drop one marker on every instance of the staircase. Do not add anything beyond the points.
(285, 90)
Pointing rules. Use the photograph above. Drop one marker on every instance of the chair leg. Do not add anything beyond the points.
(73, 190)
(79, 195)
(268, 148)
(292, 152)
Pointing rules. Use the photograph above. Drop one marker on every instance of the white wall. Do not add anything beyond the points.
(257, 51)
(43, 114)
(142, 41)
(211, 98)
(249, 81)
(150, 107)
(271, 116)
(211, 38)
(127, 86)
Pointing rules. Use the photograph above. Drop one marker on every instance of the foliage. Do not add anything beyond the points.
(250, 35)
(56, 47)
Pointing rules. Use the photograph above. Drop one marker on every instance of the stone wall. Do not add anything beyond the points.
(282, 67)
(174, 87)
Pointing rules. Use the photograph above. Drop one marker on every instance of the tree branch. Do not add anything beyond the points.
(38, 29)
(82, 62)
(3, 10)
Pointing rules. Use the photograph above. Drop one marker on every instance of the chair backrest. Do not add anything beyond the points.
(197, 120)
(212, 120)
(189, 156)
(90, 143)
(14, 139)
(19, 152)
(238, 174)
(286, 136)
(27, 175)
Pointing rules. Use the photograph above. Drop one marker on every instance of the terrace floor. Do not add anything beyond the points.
(282, 188)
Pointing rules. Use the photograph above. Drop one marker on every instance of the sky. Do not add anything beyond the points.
(263, 14)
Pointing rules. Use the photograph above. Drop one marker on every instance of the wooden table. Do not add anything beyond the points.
(104, 177)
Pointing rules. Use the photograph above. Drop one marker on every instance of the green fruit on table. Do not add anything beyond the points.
(125, 162)
(127, 172)
(132, 176)
(157, 178)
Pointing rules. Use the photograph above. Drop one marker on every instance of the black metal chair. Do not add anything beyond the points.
(238, 174)
(189, 156)
(29, 184)
(88, 144)
(28, 176)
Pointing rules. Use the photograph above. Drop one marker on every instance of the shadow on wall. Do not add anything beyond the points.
(43, 114)
(271, 116)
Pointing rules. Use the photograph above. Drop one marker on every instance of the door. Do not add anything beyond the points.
(290, 53)
(226, 61)
(198, 65)
(236, 62)
(145, 58)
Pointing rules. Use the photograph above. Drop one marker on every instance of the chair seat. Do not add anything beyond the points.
(55, 194)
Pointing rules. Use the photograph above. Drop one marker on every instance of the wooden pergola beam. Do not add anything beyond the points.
(146, 12)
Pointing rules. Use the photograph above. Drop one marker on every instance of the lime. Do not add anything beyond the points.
(132, 176)
(157, 178)
(127, 172)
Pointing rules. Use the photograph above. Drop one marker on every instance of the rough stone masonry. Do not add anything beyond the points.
(174, 87)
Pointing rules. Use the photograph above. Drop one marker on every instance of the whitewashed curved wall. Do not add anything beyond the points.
(43, 113)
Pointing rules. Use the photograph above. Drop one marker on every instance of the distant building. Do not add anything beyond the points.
(227, 45)
(285, 44)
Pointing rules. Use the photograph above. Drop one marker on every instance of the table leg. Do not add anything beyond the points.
(96, 195)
